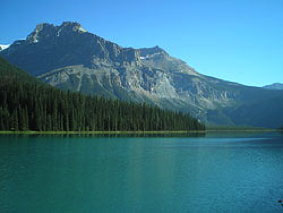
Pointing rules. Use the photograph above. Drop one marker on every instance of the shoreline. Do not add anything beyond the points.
(134, 132)
(98, 132)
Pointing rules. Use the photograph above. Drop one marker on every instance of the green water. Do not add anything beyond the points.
(215, 173)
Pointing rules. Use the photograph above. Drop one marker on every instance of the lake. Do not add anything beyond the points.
(213, 173)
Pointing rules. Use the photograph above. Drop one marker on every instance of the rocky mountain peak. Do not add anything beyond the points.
(41, 31)
(146, 52)
(70, 44)
(43, 26)
(72, 26)
(46, 31)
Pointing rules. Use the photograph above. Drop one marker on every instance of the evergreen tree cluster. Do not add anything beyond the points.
(27, 104)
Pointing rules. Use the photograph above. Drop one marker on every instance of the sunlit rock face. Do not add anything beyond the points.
(71, 58)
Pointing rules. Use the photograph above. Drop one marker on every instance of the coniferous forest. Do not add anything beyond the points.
(28, 104)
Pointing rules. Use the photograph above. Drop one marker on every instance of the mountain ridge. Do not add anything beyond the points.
(275, 86)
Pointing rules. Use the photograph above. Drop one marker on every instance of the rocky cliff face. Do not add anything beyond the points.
(69, 57)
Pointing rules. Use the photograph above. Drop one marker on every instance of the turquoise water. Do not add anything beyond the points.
(215, 173)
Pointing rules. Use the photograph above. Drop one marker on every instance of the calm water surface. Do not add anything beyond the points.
(215, 173)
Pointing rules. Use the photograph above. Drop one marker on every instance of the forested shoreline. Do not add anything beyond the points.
(27, 104)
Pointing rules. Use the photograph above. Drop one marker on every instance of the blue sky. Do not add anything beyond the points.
(236, 40)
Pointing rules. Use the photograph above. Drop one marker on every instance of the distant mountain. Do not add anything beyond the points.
(276, 86)
(4, 46)
(69, 57)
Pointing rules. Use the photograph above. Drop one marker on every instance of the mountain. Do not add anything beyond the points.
(70, 58)
(4, 46)
(28, 104)
(275, 86)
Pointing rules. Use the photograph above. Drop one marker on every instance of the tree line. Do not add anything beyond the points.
(27, 104)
